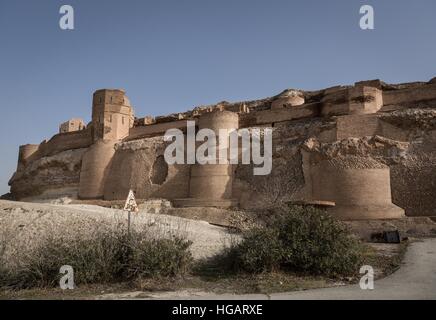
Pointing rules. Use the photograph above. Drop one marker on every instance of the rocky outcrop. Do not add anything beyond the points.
(59, 173)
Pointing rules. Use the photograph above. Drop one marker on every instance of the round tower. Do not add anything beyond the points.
(214, 181)
(112, 117)
(95, 164)
(24, 154)
(359, 192)
(211, 184)
(288, 98)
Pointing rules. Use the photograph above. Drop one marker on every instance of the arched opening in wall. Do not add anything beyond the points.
(159, 171)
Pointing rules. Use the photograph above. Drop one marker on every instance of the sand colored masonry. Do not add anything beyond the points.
(211, 184)
(369, 148)
(357, 192)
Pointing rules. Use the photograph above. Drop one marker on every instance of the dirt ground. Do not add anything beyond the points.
(26, 223)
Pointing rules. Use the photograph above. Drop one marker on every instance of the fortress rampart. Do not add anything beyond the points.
(380, 137)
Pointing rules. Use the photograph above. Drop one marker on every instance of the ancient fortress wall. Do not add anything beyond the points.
(408, 96)
(65, 141)
(358, 189)
(139, 165)
(391, 125)
(58, 143)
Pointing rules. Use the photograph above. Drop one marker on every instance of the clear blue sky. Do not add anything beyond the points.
(173, 55)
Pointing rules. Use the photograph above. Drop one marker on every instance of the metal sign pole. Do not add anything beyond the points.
(128, 222)
(130, 206)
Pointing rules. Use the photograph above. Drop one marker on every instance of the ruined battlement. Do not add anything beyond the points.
(72, 125)
(364, 97)
(117, 151)
(112, 113)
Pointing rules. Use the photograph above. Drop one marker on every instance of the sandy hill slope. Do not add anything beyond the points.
(23, 224)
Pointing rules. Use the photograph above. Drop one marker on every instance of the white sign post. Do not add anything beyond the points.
(129, 207)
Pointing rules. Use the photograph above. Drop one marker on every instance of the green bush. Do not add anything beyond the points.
(301, 239)
(261, 250)
(106, 256)
(315, 242)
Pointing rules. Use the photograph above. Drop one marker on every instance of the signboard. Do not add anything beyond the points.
(131, 205)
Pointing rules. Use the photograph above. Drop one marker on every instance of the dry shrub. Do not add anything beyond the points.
(302, 239)
(107, 255)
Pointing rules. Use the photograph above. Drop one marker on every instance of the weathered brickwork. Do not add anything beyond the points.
(369, 149)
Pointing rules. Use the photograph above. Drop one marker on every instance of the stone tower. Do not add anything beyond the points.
(359, 191)
(211, 184)
(112, 117)
(112, 114)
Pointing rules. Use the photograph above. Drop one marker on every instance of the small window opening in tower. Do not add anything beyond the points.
(122, 120)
